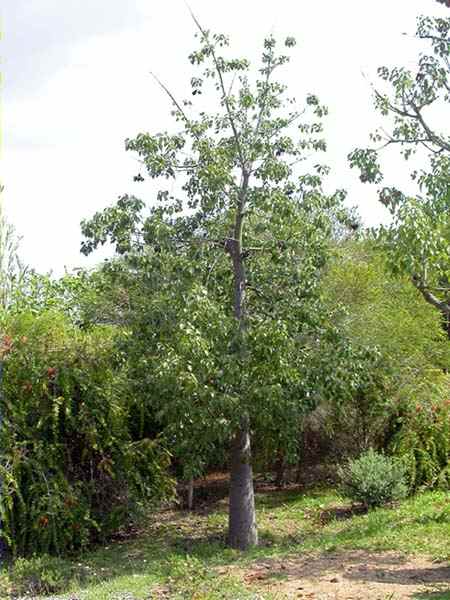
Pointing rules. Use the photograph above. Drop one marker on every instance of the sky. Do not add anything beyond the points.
(76, 83)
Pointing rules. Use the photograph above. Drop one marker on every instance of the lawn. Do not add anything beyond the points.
(303, 535)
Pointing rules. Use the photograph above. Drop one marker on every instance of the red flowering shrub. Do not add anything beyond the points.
(70, 470)
(423, 439)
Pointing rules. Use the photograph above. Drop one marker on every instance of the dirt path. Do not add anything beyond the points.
(354, 575)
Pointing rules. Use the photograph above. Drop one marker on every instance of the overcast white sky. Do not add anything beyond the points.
(76, 83)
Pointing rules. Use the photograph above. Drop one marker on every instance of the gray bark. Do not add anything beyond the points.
(444, 307)
(242, 515)
(441, 305)
(280, 468)
(242, 531)
(190, 493)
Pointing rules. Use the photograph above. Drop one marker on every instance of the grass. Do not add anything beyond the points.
(183, 556)
(433, 596)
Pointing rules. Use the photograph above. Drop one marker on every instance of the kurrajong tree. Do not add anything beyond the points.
(221, 279)
(416, 107)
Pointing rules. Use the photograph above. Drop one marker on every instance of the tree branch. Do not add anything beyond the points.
(444, 307)
(224, 93)
(264, 101)
(433, 136)
(176, 103)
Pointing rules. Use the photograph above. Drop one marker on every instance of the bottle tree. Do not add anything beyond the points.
(221, 276)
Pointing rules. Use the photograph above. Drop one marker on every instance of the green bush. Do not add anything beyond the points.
(70, 469)
(373, 479)
(6, 587)
(40, 575)
(422, 440)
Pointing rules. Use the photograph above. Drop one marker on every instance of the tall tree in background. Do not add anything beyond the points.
(223, 274)
(11, 269)
(416, 106)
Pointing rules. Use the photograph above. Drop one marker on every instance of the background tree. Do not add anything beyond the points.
(12, 271)
(226, 271)
(416, 109)
(405, 348)
(389, 359)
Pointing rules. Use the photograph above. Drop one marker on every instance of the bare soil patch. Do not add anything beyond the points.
(352, 575)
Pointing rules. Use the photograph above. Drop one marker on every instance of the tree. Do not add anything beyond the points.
(12, 271)
(406, 350)
(418, 240)
(223, 276)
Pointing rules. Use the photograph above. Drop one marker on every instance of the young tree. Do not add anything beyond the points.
(418, 240)
(222, 282)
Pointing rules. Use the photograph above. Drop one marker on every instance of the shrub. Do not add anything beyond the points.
(71, 471)
(40, 575)
(6, 588)
(422, 440)
(373, 479)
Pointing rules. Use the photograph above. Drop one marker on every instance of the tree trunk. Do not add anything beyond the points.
(242, 531)
(446, 323)
(279, 470)
(190, 493)
(299, 471)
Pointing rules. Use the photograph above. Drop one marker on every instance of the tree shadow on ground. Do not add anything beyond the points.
(316, 565)
(341, 513)
(407, 576)
(357, 569)
(272, 498)
(169, 538)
